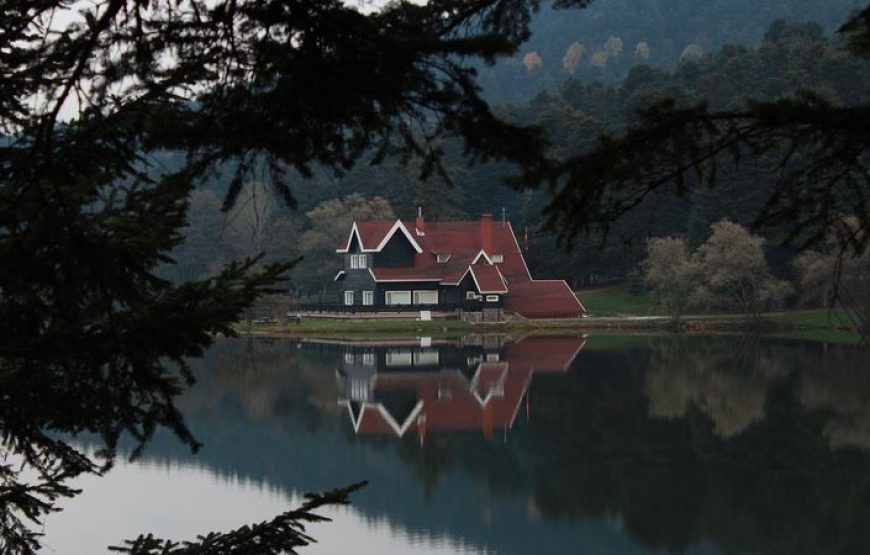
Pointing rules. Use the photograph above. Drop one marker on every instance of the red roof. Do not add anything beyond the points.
(372, 233)
(543, 299)
(488, 279)
(543, 353)
(446, 401)
(469, 247)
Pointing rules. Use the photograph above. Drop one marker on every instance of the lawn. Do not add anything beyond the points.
(616, 300)
(815, 318)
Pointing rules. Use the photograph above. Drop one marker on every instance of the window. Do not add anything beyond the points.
(470, 296)
(425, 297)
(368, 359)
(368, 298)
(358, 261)
(348, 358)
(492, 357)
(492, 298)
(425, 357)
(348, 298)
(443, 258)
(398, 358)
(397, 297)
(359, 390)
(472, 361)
(497, 258)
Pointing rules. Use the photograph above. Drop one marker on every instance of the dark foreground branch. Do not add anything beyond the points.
(283, 534)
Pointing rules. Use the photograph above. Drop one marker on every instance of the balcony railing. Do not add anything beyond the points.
(336, 307)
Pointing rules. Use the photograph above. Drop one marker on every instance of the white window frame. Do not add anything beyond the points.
(348, 298)
(418, 294)
(348, 358)
(368, 298)
(426, 357)
(497, 258)
(368, 359)
(492, 357)
(389, 298)
(399, 358)
(470, 296)
(359, 389)
(492, 298)
(358, 262)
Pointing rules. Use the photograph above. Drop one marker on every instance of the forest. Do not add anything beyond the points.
(790, 57)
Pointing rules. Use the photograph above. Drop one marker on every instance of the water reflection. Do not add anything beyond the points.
(477, 383)
(626, 445)
(206, 500)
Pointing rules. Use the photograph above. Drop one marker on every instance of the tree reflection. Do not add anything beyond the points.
(714, 441)
(746, 445)
(39, 409)
(749, 443)
(58, 426)
(727, 381)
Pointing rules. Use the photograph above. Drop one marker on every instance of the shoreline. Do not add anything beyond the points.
(798, 324)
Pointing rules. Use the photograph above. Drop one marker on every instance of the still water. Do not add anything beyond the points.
(491, 444)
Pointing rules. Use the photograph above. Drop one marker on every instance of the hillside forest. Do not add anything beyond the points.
(791, 57)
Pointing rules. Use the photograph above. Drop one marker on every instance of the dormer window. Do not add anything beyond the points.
(358, 261)
(497, 258)
(443, 258)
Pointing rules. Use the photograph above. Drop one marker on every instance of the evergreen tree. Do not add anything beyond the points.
(92, 97)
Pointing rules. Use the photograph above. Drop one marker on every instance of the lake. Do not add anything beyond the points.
(492, 444)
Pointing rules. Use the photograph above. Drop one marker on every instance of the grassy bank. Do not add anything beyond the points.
(809, 324)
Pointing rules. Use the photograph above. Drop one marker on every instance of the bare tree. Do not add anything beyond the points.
(672, 275)
(828, 278)
(735, 272)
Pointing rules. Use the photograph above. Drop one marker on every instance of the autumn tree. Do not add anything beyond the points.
(572, 57)
(735, 272)
(673, 276)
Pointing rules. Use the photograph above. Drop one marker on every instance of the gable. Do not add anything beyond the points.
(354, 245)
(399, 228)
(374, 235)
(396, 253)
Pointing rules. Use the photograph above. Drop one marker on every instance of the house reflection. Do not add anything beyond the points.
(476, 383)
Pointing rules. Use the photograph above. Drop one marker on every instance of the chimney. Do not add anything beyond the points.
(486, 232)
(419, 223)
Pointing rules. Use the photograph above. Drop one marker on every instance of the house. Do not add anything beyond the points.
(473, 266)
(397, 388)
